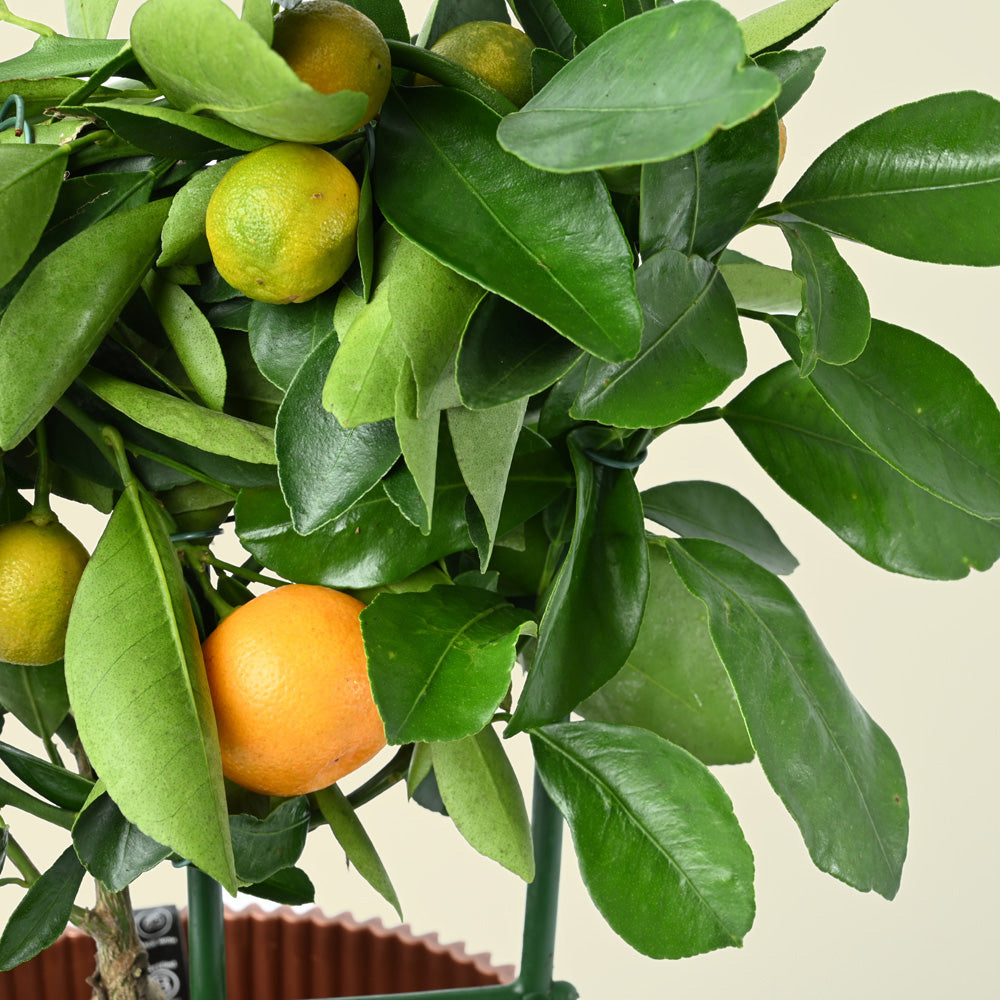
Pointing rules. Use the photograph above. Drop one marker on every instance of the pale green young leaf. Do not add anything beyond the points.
(418, 439)
(482, 795)
(778, 22)
(89, 18)
(184, 240)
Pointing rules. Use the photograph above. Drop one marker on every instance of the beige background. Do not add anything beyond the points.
(920, 656)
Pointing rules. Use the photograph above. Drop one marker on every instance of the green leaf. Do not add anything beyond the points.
(111, 848)
(590, 20)
(209, 430)
(373, 543)
(659, 849)
(192, 338)
(388, 15)
(481, 793)
(258, 14)
(594, 611)
(283, 336)
(767, 28)
(357, 845)
(507, 354)
(440, 661)
(290, 887)
(89, 18)
(920, 181)
(545, 25)
(692, 348)
(795, 70)
(412, 489)
(920, 409)
(50, 329)
(138, 690)
(184, 240)
(698, 202)
(36, 696)
(263, 847)
(761, 288)
(43, 913)
(552, 245)
(58, 784)
(323, 468)
(673, 683)
(197, 52)
(835, 770)
(443, 15)
(810, 453)
(168, 132)
(835, 319)
(697, 509)
(30, 178)
(61, 56)
(484, 442)
(654, 87)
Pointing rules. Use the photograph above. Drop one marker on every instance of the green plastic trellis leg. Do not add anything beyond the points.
(207, 944)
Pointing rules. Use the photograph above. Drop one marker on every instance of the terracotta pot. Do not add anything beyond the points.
(284, 955)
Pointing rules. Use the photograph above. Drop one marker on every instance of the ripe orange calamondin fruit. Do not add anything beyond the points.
(41, 563)
(289, 683)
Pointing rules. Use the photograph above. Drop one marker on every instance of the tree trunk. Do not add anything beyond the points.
(122, 963)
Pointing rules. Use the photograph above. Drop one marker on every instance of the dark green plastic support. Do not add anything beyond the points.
(207, 943)
(206, 937)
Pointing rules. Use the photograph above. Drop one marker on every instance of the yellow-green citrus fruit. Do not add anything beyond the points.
(332, 47)
(497, 53)
(41, 563)
(282, 223)
(289, 682)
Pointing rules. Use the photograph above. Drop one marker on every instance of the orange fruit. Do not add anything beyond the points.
(289, 683)
(41, 563)
(331, 46)
(282, 223)
(498, 53)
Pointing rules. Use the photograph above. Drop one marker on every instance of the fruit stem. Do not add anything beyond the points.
(194, 559)
(423, 61)
(41, 511)
(391, 774)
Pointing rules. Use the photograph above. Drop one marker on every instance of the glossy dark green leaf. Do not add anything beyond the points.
(594, 611)
(283, 336)
(323, 467)
(440, 662)
(198, 426)
(51, 328)
(795, 69)
(35, 695)
(544, 23)
(166, 131)
(835, 770)
(920, 409)
(507, 354)
(30, 176)
(58, 784)
(919, 181)
(480, 790)
(289, 887)
(696, 203)
(660, 850)
(388, 15)
(138, 690)
(60, 55)
(698, 509)
(654, 87)
(443, 15)
(552, 245)
(43, 913)
(358, 847)
(673, 683)
(197, 52)
(263, 847)
(373, 543)
(692, 348)
(770, 27)
(811, 454)
(111, 848)
(590, 20)
(834, 321)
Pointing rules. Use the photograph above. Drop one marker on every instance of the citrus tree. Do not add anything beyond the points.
(414, 335)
